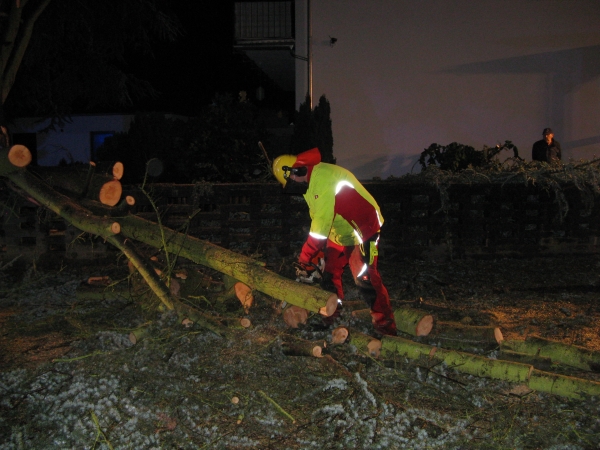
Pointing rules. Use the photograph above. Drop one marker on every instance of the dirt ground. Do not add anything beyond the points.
(71, 378)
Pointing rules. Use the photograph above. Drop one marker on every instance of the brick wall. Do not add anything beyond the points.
(483, 220)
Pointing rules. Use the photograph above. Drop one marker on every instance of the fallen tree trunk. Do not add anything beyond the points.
(538, 362)
(240, 267)
(570, 355)
(481, 366)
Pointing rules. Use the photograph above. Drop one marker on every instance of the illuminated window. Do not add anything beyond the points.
(97, 139)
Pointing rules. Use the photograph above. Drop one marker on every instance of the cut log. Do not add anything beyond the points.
(408, 320)
(364, 343)
(138, 334)
(294, 316)
(236, 322)
(339, 335)
(237, 289)
(19, 156)
(110, 169)
(570, 355)
(300, 347)
(110, 193)
(413, 321)
(118, 170)
(14, 160)
(480, 366)
(464, 337)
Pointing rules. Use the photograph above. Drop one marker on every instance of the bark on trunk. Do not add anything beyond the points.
(299, 347)
(570, 355)
(408, 320)
(413, 321)
(463, 337)
(537, 362)
(480, 366)
(364, 343)
(240, 267)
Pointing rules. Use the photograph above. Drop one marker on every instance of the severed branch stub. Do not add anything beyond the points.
(339, 335)
(19, 156)
(239, 290)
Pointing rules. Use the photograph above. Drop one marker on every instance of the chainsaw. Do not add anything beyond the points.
(316, 275)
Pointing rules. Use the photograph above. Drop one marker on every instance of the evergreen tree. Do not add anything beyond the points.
(312, 128)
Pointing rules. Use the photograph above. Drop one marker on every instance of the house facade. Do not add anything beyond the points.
(72, 141)
(401, 74)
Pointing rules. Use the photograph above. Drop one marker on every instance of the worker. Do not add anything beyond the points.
(345, 225)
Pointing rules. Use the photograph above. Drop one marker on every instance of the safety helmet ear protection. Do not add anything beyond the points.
(283, 168)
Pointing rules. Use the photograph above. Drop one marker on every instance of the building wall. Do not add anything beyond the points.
(405, 74)
(71, 141)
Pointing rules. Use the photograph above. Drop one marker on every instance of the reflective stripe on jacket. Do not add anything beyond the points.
(339, 204)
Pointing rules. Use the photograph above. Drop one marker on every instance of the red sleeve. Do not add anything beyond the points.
(311, 247)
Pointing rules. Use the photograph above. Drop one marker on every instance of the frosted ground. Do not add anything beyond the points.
(71, 378)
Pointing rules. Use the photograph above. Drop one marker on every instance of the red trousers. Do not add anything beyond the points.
(373, 292)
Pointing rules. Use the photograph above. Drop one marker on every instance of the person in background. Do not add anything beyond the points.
(345, 225)
(546, 149)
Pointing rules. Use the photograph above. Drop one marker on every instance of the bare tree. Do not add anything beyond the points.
(57, 56)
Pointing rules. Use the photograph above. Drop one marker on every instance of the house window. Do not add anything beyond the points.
(97, 139)
(264, 20)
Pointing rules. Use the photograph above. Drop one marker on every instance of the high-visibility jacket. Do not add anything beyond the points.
(341, 209)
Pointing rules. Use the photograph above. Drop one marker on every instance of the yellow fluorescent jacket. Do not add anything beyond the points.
(320, 198)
